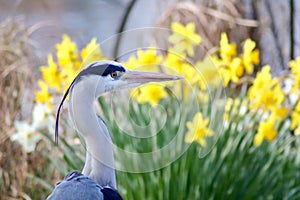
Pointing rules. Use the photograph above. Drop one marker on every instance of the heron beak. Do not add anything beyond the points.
(135, 77)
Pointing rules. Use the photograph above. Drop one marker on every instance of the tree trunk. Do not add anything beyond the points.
(278, 33)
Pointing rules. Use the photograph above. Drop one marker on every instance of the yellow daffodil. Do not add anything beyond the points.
(91, 52)
(150, 93)
(147, 60)
(69, 60)
(174, 62)
(190, 73)
(258, 139)
(59, 75)
(180, 66)
(43, 96)
(266, 130)
(227, 50)
(250, 56)
(279, 112)
(266, 92)
(184, 38)
(226, 75)
(295, 121)
(236, 69)
(230, 70)
(67, 53)
(231, 66)
(295, 69)
(197, 130)
(270, 98)
(51, 74)
(208, 73)
(263, 79)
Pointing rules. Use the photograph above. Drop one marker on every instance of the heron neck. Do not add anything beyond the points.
(99, 164)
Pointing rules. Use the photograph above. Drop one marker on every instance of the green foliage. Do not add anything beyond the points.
(232, 169)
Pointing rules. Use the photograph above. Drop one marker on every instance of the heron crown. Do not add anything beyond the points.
(102, 68)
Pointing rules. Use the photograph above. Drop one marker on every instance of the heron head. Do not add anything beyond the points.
(111, 75)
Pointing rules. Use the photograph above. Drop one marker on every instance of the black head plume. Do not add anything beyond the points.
(59, 109)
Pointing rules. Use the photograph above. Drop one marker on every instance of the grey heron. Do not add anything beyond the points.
(97, 179)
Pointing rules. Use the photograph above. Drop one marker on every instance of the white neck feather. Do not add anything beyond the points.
(99, 163)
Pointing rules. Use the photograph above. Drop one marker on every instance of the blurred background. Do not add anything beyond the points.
(277, 30)
(29, 30)
(80, 20)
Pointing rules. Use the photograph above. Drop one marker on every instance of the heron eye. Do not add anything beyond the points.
(114, 74)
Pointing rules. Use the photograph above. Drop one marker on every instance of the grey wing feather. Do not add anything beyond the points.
(76, 186)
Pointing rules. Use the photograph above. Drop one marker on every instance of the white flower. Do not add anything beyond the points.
(26, 136)
(287, 88)
(42, 117)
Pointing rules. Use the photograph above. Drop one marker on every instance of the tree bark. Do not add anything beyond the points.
(274, 32)
(296, 28)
